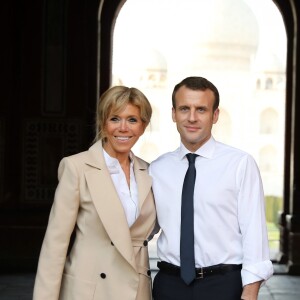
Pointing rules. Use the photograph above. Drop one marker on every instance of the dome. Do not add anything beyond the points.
(267, 62)
(236, 23)
(226, 37)
(150, 59)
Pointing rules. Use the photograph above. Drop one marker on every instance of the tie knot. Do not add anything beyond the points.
(191, 157)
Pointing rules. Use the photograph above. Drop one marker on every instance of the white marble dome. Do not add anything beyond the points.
(268, 62)
(149, 59)
(236, 23)
(231, 42)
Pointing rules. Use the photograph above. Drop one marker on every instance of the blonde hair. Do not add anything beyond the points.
(115, 100)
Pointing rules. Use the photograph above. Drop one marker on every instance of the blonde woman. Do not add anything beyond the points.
(105, 195)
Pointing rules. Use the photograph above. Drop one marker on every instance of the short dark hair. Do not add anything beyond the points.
(197, 83)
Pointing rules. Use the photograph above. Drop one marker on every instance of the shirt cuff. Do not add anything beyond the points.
(261, 271)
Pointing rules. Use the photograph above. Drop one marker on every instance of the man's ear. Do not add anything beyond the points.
(216, 116)
(173, 114)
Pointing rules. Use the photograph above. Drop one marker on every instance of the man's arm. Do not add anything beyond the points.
(250, 291)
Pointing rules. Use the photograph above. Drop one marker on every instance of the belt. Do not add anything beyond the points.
(171, 269)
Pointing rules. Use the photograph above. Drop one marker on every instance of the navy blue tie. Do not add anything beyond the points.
(187, 251)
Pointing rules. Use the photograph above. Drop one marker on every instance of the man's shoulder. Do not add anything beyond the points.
(164, 158)
(221, 147)
(232, 153)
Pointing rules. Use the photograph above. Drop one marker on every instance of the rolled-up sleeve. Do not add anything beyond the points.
(252, 221)
(260, 271)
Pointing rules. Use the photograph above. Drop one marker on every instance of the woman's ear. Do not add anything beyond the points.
(145, 125)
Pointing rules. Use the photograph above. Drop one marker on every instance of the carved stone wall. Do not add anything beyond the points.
(2, 142)
(45, 143)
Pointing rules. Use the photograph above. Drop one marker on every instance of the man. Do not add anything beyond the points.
(229, 253)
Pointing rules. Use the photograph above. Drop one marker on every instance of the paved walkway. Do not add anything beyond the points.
(279, 287)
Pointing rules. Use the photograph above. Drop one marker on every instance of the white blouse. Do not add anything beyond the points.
(128, 195)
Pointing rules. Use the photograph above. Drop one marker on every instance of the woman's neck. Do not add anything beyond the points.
(124, 161)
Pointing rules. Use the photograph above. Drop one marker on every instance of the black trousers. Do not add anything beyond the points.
(226, 286)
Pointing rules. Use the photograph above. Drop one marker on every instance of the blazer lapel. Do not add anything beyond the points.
(143, 179)
(146, 203)
(107, 203)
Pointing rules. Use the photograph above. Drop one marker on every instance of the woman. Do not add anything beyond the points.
(105, 193)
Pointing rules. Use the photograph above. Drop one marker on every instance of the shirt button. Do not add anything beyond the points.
(148, 272)
(103, 275)
(145, 243)
(112, 243)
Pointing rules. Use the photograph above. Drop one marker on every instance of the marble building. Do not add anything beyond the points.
(223, 45)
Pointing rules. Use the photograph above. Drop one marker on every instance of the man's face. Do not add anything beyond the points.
(194, 116)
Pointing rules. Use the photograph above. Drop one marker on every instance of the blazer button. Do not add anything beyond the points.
(103, 275)
(112, 243)
(145, 243)
(149, 273)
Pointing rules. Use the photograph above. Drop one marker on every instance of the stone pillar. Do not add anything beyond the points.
(293, 217)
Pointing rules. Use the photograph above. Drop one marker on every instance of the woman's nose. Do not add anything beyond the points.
(123, 125)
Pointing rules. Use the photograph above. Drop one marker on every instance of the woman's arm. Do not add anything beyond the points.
(61, 223)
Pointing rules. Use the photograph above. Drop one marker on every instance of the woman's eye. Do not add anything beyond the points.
(132, 120)
(114, 119)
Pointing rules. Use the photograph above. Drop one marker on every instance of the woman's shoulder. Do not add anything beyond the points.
(78, 161)
(93, 152)
(77, 157)
(141, 163)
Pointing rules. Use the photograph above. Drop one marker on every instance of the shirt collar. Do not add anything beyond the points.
(113, 164)
(206, 150)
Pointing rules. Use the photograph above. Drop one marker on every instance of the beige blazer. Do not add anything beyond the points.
(108, 260)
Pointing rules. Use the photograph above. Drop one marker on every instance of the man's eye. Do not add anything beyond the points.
(183, 109)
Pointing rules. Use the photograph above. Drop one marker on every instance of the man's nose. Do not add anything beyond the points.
(192, 116)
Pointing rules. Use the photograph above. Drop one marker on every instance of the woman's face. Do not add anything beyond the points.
(123, 130)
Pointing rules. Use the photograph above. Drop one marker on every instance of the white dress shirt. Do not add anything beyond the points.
(128, 195)
(229, 212)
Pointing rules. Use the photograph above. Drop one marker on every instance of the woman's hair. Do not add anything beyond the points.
(114, 100)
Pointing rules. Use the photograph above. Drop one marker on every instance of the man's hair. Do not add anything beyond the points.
(197, 83)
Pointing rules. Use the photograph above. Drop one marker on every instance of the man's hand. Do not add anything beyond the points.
(250, 291)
